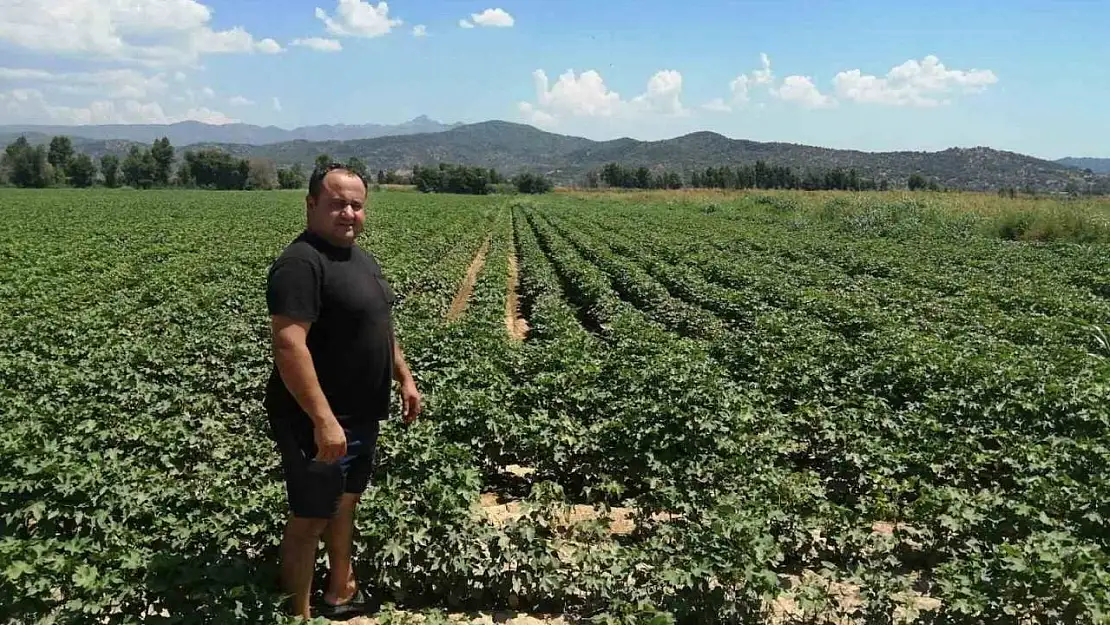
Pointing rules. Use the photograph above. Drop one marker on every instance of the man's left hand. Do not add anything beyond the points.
(410, 401)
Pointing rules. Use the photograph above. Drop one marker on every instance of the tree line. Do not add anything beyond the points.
(143, 167)
(759, 175)
(454, 178)
(155, 166)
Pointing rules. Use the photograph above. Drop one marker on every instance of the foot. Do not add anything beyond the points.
(337, 607)
(343, 594)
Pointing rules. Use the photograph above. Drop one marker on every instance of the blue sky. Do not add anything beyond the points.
(1022, 75)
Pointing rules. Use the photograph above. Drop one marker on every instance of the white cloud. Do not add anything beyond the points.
(465, 24)
(208, 92)
(240, 101)
(913, 83)
(208, 116)
(740, 87)
(179, 76)
(355, 18)
(277, 104)
(114, 83)
(535, 116)
(319, 44)
(232, 41)
(586, 95)
(153, 32)
(493, 17)
(663, 95)
(717, 105)
(763, 76)
(268, 46)
(420, 30)
(30, 106)
(801, 89)
(572, 95)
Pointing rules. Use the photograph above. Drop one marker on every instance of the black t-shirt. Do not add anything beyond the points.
(340, 290)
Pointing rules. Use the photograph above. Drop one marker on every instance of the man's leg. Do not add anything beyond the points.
(298, 559)
(358, 467)
(314, 490)
(338, 537)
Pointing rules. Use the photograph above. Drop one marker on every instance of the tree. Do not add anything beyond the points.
(162, 153)
(82, 171)
(216, 169)
(292, 178)
(916, 182)
(138, 168)
(322, 161)
(262, 174)
(61, 151)
(356, 165)
(532, 183)
(109, 166)
(381, 176)
(27, 166)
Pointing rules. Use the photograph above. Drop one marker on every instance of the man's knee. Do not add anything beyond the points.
(306, 528)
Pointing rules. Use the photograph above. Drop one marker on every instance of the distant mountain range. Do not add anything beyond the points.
(512, 148)
(1097, 165)
(184, 133)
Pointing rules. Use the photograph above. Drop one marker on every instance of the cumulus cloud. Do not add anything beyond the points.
(152, 32)
(420, 30)
(30, 106)
(493, 17)
(240, 101)
(277, 104)
(913, 83)
(355, 18)
(740, 88)
(465, 24)
(763, 76)
(586, 95)
(717, 105)
(113, 84)
(319, 44)
(663, 95)
(801, 89)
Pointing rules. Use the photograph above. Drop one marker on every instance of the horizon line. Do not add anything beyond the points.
(459, 124)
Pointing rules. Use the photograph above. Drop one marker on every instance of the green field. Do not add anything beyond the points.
(760, 407)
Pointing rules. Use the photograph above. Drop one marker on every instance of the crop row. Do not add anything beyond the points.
(904, 425)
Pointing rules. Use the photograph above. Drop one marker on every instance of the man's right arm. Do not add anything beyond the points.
(294, 364)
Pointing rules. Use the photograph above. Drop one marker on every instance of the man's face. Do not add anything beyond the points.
(339, 211)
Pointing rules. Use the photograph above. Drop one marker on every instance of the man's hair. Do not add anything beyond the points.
(317, 179)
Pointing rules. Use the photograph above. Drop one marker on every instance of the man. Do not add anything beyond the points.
(335, 359)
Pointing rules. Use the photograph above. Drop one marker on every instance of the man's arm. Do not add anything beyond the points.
(410, 396)
(401, 372)
(294, 364)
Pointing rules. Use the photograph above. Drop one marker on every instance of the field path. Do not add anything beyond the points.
(467, 287)
(516, 325)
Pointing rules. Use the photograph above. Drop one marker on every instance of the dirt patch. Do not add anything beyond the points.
(467, 287)
(480, 618)
(844, 602)
(515, 325)
(519, 471)
(501, 512)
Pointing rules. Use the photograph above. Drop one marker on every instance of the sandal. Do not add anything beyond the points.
(355, 606)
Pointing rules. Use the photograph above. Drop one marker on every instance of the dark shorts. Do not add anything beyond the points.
(313, 487)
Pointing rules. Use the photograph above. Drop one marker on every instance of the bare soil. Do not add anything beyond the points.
(481, 618)
(515, 325)
(458, 305)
